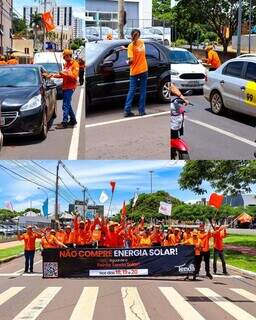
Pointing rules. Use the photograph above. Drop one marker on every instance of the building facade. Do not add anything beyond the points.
(77, 28)
(242, 200)
(5, 25)
(105, 12)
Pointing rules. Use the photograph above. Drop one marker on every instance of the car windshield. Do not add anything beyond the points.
(51, 67)
(93, 50)
(184, 57)
(19, 77)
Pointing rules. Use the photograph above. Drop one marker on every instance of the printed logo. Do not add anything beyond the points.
(186, 269)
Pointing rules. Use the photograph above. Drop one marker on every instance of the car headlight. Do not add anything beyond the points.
(33, 103)
(174, 72)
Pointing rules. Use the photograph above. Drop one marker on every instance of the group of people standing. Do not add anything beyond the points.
(5, 60)
(103, 233)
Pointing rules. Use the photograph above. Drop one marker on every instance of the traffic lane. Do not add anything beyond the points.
(237, 123)
(242, 231)
(57, 143)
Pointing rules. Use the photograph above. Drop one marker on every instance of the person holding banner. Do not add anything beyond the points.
(145, 239)
(157, 236)
(29, 239)
(218, 235)
(50, 241)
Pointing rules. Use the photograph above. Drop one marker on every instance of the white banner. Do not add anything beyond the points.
(165, 208)
(103, 197)
(135, 199)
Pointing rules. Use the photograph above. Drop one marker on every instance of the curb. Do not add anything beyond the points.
(243, 272)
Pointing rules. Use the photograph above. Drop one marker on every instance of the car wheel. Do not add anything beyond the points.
(164, 92)
(217, 104)
(44, 130)
(166, 42)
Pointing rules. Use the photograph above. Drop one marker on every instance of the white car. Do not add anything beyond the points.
(233, 86)
(187, 72)
(164, 33)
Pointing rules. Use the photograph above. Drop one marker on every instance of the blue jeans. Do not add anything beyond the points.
(29, 260)
(142, 78)
(67, 107)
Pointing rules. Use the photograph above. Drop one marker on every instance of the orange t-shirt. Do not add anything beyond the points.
(213, 59)
(197, 245)
(12, 61)
(205, 237)
(70, 75)
(3, 62)
(49, 242)
(29, 240)
(137, 52)
(218, 239)
(170, 241)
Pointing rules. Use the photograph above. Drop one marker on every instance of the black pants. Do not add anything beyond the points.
(81, 77)
(219, 253)
(29, 260)
(206, 257)
(198, 260)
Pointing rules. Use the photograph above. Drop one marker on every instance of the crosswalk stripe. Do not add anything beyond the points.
(178, 302)
(246, 294)
(33, 310)
(133, 305)
(226, 305)
(85, 306)
(9, 293)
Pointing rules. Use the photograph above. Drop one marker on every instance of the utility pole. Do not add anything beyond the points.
(57, 192)
(84, 190)
(151, 180)
(239, 27)
(121, 18)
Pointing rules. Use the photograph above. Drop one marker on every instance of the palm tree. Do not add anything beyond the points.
(37, 27)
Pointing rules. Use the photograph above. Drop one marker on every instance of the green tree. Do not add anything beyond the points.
(228, 177)
(162, 10)
(18, 25)
(77, 43)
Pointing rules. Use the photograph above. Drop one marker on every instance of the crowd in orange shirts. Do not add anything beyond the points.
(103, 233)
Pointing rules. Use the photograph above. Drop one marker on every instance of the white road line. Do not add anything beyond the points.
(178, 302)
(105, 123)
(8, 294)
(33, 310)
(85, 306)
(226, 277)
(221, 131)
(32, 275)
(246, 294)
(10, 274)
(74, 145)
(21, 270)
(226, 305)
(133, 305)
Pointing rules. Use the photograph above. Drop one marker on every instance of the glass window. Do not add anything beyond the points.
(182, 57)
(152, 53)
(18, 77)
(121, 61)
(234, 69)
(251, 71)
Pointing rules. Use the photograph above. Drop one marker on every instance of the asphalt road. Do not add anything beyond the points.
(60, 144)
(209, 136)
(31, 297)
(110, 136)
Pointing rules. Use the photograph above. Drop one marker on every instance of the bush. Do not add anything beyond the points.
(180, 43)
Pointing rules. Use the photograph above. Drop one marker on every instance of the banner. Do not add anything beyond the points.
(103, 197)
(165, 208)
(87, 262)
(45, 207)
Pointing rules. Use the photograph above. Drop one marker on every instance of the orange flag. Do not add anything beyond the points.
(216, 200)
(113, 185)
(48, 22)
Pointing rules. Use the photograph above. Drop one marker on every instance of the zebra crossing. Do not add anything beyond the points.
(133, 305)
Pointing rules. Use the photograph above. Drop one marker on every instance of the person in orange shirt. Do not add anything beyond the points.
(109, 36)
(177, 236)
(81, 71)
(197, 243)
(69, 75)
(170, 238)
(218, 235)
(157, 236)
(145, 239)
(2, 60)
(138, 73)
(12, 60)
(50, 241)
(187, 234)
(205, 236)
(29, 239)
(83, 235)
(213, 59)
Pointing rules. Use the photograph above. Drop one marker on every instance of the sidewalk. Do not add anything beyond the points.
(241, 249)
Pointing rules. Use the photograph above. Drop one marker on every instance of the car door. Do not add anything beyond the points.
(48, 96)
(231, 85)
(249, 93)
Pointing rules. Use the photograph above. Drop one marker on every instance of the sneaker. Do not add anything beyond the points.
(209, 276)
(226, 273)
(143, 114)
(72, 123)
(62, 125)
(25, 271)
(129, 114)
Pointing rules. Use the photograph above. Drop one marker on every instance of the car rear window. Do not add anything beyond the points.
(234, 69)
(250, 73)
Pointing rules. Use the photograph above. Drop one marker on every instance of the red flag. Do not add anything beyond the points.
(216, 200)
(113, 185)
(48, 21)
(123, 214)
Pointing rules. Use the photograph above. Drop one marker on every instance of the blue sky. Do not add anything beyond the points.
(95, 175)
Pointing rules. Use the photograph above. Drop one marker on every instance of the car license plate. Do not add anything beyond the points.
(194, 83)
(2, 121)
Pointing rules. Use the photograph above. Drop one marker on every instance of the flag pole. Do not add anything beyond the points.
(110, 203)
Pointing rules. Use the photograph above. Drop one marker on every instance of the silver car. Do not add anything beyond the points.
(233, 86)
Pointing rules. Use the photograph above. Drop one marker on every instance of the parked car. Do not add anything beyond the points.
(232, 86)
(28, 101)
(107, 74)
(164, 33)
(1, 135)
(6, 231)
(144, 34)
(186, 70)
(53, 62)
(100, 33)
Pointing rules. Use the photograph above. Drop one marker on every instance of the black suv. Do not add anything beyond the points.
(107, 72)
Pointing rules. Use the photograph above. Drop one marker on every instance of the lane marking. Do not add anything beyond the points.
(21, 270)
(85, 306)
(226, 305)
(8, 294)
(226, 277)
(33, 310)
(10, 274)
(246, 294)
(133, 305)
(105, 123)
(178, 302)
(221, 131)
(74, 144)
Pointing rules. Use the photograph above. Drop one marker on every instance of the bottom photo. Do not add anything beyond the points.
(134, 239)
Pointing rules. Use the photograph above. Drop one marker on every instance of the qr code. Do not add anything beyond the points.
(51, 269)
